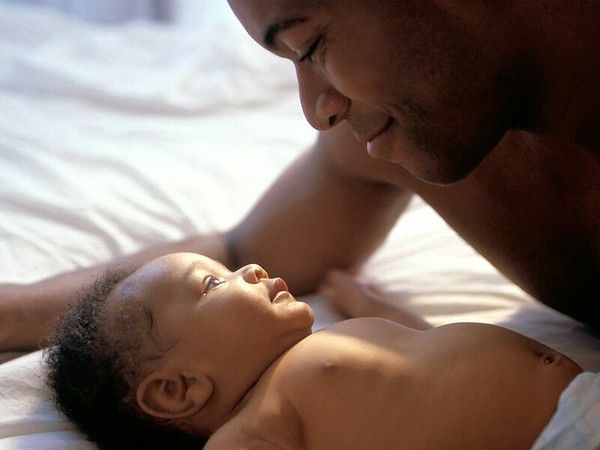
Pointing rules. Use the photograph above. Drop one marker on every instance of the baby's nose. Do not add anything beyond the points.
(253, 273)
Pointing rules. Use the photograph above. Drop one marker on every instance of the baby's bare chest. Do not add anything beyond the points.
(346, 377)
(355, 386)
(369, 384)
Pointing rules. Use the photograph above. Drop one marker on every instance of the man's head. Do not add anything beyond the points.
(193, 337)
(431, 85)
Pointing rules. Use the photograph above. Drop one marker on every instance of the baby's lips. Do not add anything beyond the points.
(280, 291)
(279, 285)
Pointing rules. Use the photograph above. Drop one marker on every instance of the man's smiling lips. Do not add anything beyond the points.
(378, 142)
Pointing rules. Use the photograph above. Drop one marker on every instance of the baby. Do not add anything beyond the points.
(183, 353)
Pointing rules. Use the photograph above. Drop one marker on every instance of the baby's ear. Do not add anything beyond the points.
(170, 395)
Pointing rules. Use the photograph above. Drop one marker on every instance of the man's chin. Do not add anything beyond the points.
(444, 164)
(441, 171)
(443, 177)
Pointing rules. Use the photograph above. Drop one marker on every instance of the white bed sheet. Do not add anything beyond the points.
(114, 138)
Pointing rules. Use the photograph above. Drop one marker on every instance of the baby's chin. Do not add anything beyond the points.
(305, 318)
(310, 315)
(301, 311)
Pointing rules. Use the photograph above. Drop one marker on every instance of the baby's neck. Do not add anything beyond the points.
(247, 396)
(252, 389)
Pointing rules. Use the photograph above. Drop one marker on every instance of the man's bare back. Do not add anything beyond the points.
(373, 384)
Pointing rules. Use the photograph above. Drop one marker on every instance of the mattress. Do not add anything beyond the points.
(116, 138)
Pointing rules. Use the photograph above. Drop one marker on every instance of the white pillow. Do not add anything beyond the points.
(29, 417)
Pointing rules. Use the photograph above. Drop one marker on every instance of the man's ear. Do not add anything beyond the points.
(169, 394)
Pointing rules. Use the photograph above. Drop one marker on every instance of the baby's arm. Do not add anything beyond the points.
(354, 298)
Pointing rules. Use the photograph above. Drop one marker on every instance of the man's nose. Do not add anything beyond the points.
(253, 273)
(323, 106)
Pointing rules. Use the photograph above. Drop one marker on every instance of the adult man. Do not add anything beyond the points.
(488, 110)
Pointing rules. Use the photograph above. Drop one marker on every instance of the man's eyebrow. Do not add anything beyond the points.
(277, 27)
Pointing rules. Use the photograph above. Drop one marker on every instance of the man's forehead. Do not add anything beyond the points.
(257, 16)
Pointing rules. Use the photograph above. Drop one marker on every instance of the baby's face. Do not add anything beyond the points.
(222, 325)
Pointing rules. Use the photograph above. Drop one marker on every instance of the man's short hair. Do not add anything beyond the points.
(91, 381)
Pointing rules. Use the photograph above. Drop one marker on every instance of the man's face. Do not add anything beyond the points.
(412, 80)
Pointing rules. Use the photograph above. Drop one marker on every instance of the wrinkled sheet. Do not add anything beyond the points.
(115, 138)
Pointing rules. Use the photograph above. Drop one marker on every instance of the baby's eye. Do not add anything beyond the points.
(212, 283)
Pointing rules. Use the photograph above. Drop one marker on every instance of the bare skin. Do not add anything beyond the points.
(28, 312)
(531, 206)
(529, 196)
(372, 384)
(362, 384)
(535, 217)
(353, 297)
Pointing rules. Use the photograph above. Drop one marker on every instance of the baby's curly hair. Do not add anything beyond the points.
(93, 374)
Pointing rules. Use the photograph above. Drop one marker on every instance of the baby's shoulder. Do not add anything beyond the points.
(329, 351)
(316, 370)
(347, 336)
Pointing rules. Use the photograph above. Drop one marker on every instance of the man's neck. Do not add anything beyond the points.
(567, 64)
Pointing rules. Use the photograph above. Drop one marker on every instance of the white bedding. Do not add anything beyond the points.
(112, 139)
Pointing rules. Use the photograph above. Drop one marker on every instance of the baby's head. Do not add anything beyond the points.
(168, 353)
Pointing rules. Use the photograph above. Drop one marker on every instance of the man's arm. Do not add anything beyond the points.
(328, 209)
(28, 311)
(331, 208)
(355, 298)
